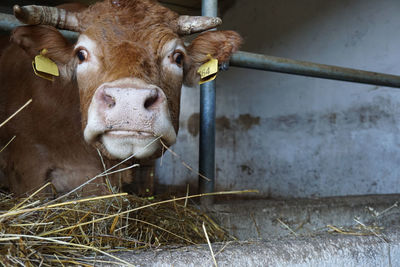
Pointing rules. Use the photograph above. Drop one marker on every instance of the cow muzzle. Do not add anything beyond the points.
(126, 116)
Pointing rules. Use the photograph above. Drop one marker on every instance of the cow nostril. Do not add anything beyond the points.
(151, 99)
(109, 100)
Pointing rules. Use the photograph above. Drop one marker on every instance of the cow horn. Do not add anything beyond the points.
(192, 24)
(57, 17)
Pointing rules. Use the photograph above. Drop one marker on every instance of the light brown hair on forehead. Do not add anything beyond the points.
(130, 15)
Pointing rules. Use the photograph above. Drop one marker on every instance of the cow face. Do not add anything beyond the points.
(129, 64)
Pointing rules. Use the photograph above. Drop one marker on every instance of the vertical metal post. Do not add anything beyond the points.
(207, 122)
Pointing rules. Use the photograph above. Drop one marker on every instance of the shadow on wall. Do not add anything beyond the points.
(243, 123)
(283, 19)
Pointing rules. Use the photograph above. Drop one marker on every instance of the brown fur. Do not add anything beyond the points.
(49, 143)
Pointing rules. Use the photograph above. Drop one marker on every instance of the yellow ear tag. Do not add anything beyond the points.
(44, 67)
(208, 71)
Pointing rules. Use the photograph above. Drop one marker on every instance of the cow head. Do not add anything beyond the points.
(129, 64)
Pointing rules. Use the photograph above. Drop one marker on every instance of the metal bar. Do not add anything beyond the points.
(207, 123)
(207, 137)
(209, 8)
(290, 66)
(8, 22)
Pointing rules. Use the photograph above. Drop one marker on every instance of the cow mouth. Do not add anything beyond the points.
(129, 133)
(121, 144)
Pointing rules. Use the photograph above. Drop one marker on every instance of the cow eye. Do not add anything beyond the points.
(178, 58)
(81, 54)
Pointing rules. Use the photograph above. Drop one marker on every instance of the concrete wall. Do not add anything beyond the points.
(292, 136)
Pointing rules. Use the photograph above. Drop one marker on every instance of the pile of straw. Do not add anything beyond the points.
(40, 231)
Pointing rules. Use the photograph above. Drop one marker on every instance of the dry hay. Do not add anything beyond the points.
(40, 231)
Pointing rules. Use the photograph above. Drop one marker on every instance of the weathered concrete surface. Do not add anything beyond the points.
(323, 250)
(271, 243)
(265, 219)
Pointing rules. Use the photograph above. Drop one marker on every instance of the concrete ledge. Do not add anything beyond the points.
(324, 250)
(263, 219)
(294, 233)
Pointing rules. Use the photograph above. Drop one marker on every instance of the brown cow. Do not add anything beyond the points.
(118, 89)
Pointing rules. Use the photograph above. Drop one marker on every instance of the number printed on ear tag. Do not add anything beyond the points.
(208, 71)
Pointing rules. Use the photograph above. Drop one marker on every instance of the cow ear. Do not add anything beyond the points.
(33, 39)
(219, 44)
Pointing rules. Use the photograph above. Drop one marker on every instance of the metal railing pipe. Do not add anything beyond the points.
(209, 8)
(290, 66)
(8, 22)
(207, 122)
